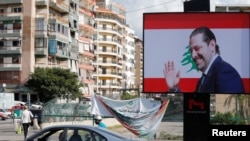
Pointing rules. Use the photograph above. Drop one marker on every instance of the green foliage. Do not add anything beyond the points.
(52, 83)
(227, 118)
(126, 96)
(166, 136)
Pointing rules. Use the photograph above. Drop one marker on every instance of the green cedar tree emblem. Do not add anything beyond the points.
(188, 59)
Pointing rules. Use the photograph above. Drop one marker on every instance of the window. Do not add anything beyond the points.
(16, 43)
(17, 26)
(1, 11)
(104, 71)
(40, 25)
(58, 27)
(104, 38)
(15, 60)
(16, 10)
(104, 48)
(104, 26)
(1, 44)
(104, 60)
(40, 42)
(1, 26)
(52, 27)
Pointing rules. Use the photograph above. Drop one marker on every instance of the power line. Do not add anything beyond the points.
(149, 6)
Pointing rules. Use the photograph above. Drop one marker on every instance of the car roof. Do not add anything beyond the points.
(98, 130)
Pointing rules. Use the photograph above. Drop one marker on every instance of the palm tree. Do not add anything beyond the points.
(242, 106)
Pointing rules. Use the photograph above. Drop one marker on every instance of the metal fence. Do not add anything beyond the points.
(54, 111)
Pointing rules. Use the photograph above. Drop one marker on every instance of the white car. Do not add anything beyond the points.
(77, 133)
(4, 111)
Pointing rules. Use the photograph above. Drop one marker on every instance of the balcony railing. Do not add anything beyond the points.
(61, 19)
(10, 67)
(59, 5)
(10, 50)
(11, 1)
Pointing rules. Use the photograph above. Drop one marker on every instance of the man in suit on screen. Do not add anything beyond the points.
(218, 76)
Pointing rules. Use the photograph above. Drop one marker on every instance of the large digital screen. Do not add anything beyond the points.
(196, 52)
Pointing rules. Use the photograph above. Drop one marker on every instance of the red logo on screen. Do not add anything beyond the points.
(192, 103)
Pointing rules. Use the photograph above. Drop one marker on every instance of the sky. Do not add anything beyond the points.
(136, 8)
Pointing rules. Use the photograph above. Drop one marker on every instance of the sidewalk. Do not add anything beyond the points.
(8, 133)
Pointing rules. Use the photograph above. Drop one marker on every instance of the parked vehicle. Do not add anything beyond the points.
(3, 116)
(5, 112)
(78, 133)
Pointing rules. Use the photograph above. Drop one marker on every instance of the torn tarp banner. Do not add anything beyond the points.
(141, 116)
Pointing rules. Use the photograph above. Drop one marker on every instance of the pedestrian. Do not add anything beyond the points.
(98, 121)
(26, 120)
(218, 76)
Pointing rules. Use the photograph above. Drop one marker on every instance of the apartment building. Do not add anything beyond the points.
(108, 40)
(89, 37)
(42, 33)
(129, 68)
(17, 52)
(86, 47)
(139, 64)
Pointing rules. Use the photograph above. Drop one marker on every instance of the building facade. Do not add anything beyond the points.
(139, 64)
(89, 37)
(113, 39)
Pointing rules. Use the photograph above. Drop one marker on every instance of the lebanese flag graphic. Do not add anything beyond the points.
(166, 37)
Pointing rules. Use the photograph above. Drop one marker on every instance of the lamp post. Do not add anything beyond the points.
(3, 98)
(28, 100)
(4, 86)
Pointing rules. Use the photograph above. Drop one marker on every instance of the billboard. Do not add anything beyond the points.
(174, 61)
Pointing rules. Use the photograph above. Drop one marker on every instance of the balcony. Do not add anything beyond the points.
(12, 17)
(74, 43)
(41, 2)
(109, 63)
(85, 39)
(10, 33)
(115, 31)
(108, 74)
(111, 41)
(61, 54)
(88, 81)
(58, 35)
(11, 2)
(10, 67)
(10, 50)
(58, 19)
(86, 66)
(41, 51)
(110, 85)
(73, 55)
(87, 53)
(41, 33)
(87, 27)
(59, 5)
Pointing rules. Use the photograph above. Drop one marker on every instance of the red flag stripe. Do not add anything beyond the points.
(212, 20)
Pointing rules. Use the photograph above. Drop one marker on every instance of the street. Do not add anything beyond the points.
(7, 132)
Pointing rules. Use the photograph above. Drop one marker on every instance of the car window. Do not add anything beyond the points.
(52, 135)
(84, 135)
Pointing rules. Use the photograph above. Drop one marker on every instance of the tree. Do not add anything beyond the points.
(52, 83)
(242, 105)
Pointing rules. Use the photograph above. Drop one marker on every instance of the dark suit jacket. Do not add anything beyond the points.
(221, 78)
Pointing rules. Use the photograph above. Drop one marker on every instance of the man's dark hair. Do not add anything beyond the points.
(208, 35)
